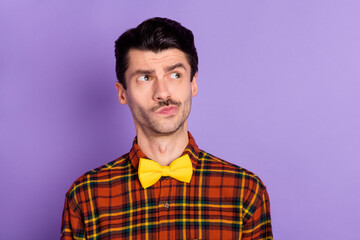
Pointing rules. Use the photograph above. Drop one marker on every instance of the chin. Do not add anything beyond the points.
(168, 130)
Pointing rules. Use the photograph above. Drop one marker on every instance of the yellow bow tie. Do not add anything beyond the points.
(150, 171)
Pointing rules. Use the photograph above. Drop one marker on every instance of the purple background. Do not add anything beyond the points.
(279, 85)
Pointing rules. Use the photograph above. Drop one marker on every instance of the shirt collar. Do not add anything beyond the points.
(191, 149)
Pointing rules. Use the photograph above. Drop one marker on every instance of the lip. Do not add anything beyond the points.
(171, 110)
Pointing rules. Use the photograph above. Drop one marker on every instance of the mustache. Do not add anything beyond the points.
(165, 103)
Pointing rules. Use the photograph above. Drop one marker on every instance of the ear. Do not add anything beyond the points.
(194, 87)
(121, 93)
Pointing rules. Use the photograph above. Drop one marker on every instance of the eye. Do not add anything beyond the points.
(175, 75)
(144, 78)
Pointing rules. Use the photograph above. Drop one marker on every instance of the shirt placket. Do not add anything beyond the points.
(166, 208)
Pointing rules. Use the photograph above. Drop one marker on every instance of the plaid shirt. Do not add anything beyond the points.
(222, 201)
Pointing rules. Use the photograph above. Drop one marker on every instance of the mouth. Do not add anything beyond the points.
(168, 110)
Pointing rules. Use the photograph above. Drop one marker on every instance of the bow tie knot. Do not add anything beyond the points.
(150, 172)
(165, 171)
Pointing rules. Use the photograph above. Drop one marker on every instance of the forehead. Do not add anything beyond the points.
(146, 59)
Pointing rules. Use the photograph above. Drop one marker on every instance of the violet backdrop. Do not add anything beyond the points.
(279, 85)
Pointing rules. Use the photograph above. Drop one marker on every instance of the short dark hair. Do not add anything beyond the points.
(155, 34)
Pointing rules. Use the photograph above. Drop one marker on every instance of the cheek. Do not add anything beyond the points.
(186, 94)
(186, 99)
(138, 101)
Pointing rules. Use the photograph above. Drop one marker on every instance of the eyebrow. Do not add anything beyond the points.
(149, 72)
(142, 72)
(177, 65)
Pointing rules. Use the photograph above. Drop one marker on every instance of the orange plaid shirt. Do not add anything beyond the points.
(222, 201)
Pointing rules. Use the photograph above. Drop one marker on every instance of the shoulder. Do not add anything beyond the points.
(213, 165)
(111, 171)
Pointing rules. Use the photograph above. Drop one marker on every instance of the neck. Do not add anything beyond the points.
(163, 149)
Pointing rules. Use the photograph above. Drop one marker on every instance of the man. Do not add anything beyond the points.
(165, 187)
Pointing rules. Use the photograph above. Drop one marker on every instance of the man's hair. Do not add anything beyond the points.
(155, 34)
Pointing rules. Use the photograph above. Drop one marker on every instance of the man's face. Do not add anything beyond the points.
(159, 90)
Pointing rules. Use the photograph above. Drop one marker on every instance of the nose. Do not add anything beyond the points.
(161, 90)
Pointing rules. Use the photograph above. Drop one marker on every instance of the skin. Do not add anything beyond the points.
(159, 94)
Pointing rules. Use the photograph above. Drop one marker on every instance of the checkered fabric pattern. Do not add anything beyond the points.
(222, 201)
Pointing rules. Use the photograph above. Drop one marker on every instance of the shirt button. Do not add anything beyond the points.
(166, 205)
